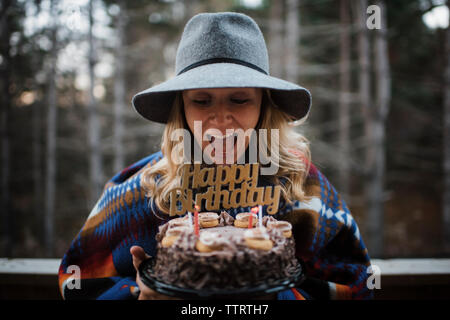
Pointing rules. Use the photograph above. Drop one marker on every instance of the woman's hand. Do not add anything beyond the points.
(146, 293)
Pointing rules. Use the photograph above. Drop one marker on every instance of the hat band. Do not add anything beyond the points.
(222, 60)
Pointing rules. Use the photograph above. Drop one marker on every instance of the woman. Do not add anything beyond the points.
(222, 84)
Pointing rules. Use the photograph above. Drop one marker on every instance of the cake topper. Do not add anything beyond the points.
(246, 194)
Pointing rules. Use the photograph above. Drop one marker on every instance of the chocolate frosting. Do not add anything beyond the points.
(233, 266)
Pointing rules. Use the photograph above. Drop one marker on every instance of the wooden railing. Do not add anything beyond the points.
(400, 279)
(413, 279)
(29, 279)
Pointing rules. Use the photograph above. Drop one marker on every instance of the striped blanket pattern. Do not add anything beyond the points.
(327, 238)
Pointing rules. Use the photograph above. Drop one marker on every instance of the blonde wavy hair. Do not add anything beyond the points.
(293, 156)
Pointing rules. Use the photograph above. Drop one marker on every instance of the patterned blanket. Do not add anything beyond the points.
(327, 238)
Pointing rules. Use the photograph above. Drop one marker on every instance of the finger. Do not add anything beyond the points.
(139, 251)
(138, 255)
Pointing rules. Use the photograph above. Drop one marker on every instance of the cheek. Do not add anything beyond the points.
(193, 114)
(249, 117)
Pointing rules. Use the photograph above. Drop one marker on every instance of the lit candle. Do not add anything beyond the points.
(250, 219)
(196, 225)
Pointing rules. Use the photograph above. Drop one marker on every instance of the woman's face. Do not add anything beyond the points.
(222, 109)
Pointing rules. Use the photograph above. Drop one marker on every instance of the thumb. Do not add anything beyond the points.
(138, 255)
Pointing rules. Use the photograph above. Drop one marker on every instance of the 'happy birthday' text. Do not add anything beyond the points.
(246, 194)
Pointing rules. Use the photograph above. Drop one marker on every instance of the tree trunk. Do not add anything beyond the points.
(344, 98)
(119, 90)
(276, 38)
(95, 159)
(37, 165)
(374, 230)
(190, 9)
(292, 35)
(5, 71)
(375, 149)
(364, 74)
(446, 144)
(37, 153)
(50, 178)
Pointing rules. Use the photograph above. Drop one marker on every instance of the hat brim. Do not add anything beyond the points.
(155, 103)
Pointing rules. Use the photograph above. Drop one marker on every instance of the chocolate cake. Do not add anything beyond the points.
(224, 256)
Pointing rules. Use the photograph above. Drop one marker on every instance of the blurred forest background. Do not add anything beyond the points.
(379, 125)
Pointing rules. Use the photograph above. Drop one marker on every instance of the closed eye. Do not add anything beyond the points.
(201, 102)
(206, 102)
(239, 101)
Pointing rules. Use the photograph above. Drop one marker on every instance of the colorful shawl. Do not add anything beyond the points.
(327, 240)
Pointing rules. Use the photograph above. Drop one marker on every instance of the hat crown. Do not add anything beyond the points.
(224, 35)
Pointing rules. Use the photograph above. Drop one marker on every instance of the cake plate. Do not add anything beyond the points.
(248, 292)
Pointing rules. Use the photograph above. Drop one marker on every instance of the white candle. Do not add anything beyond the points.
(260, 215)
(190, 220)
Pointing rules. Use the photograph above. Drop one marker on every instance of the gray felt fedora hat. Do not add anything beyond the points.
(217, 50)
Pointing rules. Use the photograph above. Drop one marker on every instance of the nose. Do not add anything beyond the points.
(221, 116)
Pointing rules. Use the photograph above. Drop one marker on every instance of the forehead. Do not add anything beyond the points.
(222, 91)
